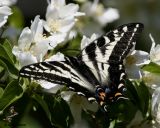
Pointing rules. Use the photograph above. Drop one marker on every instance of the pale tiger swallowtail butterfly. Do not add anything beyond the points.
(98, 71)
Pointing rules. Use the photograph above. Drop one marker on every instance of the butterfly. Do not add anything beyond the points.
(98, 72)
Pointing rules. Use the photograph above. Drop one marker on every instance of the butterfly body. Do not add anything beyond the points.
(98, 73)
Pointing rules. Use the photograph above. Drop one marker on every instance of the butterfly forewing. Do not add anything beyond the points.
(60, 72)
(110, 49)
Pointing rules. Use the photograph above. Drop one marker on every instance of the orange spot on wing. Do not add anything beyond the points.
(101, 103)
(102, 96)
(118, 94)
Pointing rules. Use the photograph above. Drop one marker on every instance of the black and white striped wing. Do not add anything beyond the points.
(70, 72)
(105, 55)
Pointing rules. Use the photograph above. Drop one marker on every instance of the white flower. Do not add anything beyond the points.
(152, 80)
(49, 87)
(57, 57)
(133, 63)
(56, 38)
(61, 17)
(99, 13)
(72, 34)
(109, 15)
(139, 122)
(4, 13)
(155, 51)
(7, 2)
(86, 41)
(77, 104)
(156, 105)
(32, 45)
(97, 16)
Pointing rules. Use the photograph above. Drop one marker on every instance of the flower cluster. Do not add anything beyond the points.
(33, 44)
(98, 16)
(146, 66)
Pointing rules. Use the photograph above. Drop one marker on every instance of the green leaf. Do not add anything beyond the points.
(3, 124)
(139, 95)
(30, 113)
(4, 54)
(119, 108)
(8, 48)
(70, 48)
(1, 92)
(152, 67)
(132, 92)
(43, 104)
(60, 112)
(7, 59)
(2, 71)
(144, 97)
(10, 68)
(11, 93)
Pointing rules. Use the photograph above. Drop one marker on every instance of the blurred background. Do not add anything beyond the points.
(144, 11)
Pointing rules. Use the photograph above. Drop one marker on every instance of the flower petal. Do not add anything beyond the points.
(67, 25)
(72, 34)
(142, 57)
(37, 28)
(5, 10)
(58, 3)
(7, 2)
(67, 95)
(152, 80)
(155, 51)
(52, 13)
(86, 41)
(108, 16)
(133, 72)
(4, 13)
(25, 58)
(90, 8)
(57, 57)
(39, 50)
(153, 42)
(137, 120)
(55, 39)
(156, 104)
(25, 39)
(50, 87)
(68, 10)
